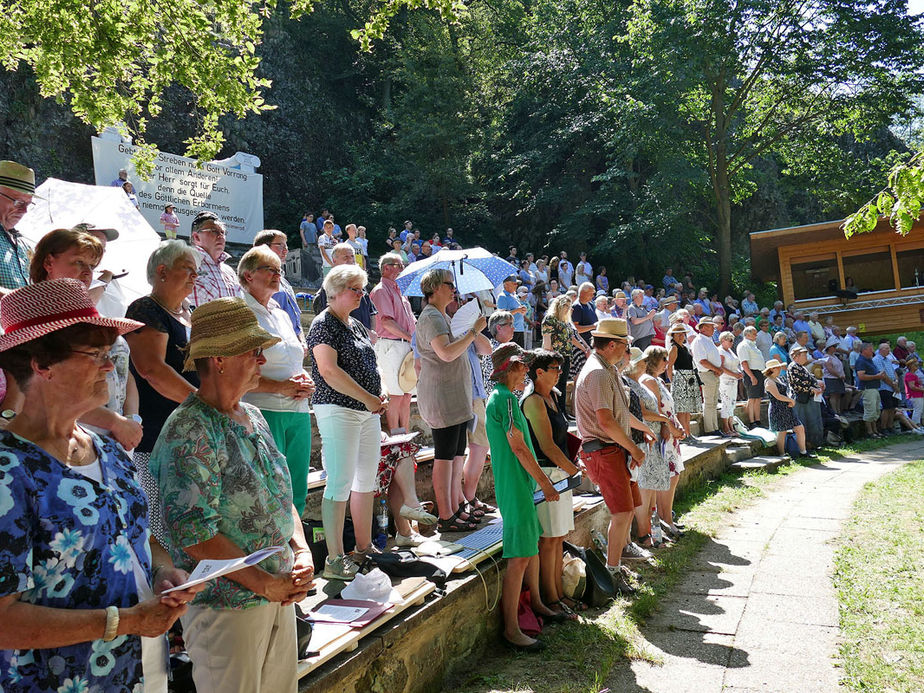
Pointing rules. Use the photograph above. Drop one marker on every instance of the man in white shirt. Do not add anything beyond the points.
(708, 362)
(565, 272)
(583, 272)
(668, 307)
(326, 243)
(764, 338)
(752, 363)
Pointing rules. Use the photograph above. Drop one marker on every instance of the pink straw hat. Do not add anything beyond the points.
(39, 309)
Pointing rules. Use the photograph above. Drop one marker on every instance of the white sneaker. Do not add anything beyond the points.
(919, 431)
(414, 539)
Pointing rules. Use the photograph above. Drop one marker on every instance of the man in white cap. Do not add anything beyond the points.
(17, 186)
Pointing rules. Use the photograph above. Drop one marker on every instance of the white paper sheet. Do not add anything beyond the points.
(210, 569)
(338, 614)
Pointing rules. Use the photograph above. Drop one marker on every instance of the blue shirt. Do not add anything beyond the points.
(508, 301)
(66, 542)
(474, 361)
(285, 297)
(867, 366)
(884, 365)
(801, 326)
(668, 282)
(309, 231)
(584, 314)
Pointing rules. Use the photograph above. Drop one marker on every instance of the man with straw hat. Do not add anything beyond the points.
(601, 405)
(17, 186)
(226, 492)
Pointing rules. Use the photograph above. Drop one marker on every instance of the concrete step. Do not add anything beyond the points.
(760, 462)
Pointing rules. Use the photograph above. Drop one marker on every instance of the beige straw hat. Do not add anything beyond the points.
(407, 375)
(225, 327)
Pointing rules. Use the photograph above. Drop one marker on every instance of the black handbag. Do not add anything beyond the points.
(803, 397)
(599, 589)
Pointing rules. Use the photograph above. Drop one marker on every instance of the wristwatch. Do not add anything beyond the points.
(8, 414)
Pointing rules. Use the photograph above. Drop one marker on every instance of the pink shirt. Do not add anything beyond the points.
(390, 303)
(171, 221)
(913, 385)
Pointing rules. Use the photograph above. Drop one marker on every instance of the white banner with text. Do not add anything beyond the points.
(236, 196)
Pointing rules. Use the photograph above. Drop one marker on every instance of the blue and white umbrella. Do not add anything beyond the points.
(475, 269)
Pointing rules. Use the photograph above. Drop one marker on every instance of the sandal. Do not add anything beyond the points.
(481, 505)
(576, 605)
(471, 510)
(646, 542)
(470, 515)
(456, 524)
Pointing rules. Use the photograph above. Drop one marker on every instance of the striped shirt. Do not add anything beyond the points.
(215, 280)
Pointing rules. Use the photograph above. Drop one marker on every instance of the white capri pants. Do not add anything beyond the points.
(728, 393)
(351, 446)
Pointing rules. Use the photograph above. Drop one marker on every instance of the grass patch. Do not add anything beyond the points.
(880, 585)
(581, 656)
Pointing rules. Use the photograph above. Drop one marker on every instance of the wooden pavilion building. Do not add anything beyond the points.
(814, 264)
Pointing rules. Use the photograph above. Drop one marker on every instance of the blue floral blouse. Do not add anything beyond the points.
(66, 542)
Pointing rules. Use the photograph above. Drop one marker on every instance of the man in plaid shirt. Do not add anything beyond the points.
(17, 185)
(216, 279)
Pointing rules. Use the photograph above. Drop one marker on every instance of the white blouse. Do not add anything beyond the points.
(283, 360)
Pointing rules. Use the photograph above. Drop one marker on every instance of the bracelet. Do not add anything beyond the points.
(112, 623)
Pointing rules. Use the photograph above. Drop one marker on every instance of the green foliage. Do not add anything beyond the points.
(752, 77)
(113, 60)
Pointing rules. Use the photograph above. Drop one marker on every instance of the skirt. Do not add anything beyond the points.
(782, 416)
(654, 474)
(834, 386)
(686, 394)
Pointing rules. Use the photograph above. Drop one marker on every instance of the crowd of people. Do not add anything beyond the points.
(185, 432)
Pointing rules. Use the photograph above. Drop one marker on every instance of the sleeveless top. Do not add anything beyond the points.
(684, 360)
(559, 430)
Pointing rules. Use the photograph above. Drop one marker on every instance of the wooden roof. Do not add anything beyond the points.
(765, 260)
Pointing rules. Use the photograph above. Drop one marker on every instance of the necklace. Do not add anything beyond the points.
(179, 312)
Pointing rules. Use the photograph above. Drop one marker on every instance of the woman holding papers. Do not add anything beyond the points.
(226, 493)
(79, 573)
(516, 474)
(444, 397)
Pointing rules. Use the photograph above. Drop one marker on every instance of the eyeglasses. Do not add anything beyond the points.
(257, 353)
(19, 204)
(217, 231)
(450, 284)
(271, 269)
(358, 292)
(554, 368)
(100, 358)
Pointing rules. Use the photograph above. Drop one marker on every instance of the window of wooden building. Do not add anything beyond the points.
(811, 277)
(910, 267)
(870, 271)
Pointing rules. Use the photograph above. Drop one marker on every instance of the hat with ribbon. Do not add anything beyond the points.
(668, 300)
(635, 355)
(39, 309)
(225, 327)
(771, 365)
(17, 177)
(677, 327)
(614, 328)
(504, 356)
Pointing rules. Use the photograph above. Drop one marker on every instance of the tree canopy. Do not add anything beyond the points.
(648, 132)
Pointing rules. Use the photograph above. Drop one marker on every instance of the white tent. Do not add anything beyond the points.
(60, 204)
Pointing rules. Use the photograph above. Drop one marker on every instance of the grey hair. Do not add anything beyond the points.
(637, 292)
(257, 256)
(726, 335)
(431, 281)
(584, 287)
(340, 277)
(340, 249)
(776, 337)
(389, 258)
(497, 317)
(749, 330)
(167, 253)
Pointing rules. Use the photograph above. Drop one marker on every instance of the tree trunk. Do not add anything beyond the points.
(723, 216)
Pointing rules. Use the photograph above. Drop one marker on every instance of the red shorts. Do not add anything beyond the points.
(607, 469)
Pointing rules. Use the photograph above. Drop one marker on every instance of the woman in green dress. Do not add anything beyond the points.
(516, 474)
